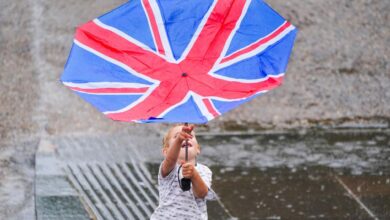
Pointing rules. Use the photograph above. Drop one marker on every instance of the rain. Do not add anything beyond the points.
(317, 147)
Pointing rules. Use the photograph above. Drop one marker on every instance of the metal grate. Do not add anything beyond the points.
(115, 190)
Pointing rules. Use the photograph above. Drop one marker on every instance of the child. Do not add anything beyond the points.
(174, 203)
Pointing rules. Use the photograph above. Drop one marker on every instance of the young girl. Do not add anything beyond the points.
(174, 202)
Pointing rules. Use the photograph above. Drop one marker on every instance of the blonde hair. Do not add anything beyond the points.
(167, 136)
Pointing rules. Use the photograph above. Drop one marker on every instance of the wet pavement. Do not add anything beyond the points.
(312, 193)
(316, 174)
(339, 174)
(353, 150)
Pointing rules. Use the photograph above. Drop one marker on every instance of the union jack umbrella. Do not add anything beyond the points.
(178, 61)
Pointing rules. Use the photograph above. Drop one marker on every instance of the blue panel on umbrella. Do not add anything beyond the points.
(223, 107)
(109, 102)
(130, 18)
(272, 61)
(83, 66)
(259, 21)
(186, 112)
(181, 19)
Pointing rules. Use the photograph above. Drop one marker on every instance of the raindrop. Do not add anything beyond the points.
(357, 172)
(229, 169)
(244, 173)
(380, 138)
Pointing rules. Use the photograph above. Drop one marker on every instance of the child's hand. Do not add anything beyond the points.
(188, 170)
(185, 133)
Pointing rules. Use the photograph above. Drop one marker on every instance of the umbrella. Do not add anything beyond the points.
(178, 61)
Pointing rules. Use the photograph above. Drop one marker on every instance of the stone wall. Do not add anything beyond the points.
(338, 74)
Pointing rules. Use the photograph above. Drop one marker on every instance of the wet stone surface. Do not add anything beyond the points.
(61, 207)
(309, 175)
(352, 150)
(311, 193)
(316, 174)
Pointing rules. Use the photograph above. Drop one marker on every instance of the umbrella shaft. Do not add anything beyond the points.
(186, 144)
(186, 150)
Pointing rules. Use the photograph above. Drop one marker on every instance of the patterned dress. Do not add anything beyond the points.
(178, 205)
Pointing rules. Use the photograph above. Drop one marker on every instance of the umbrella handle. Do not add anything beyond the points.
(185, 183)
(186, 148)
(186, 144)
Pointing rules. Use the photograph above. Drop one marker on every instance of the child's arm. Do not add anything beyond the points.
(199, 187)
(173, 151)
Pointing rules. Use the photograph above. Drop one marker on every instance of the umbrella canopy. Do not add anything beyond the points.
(178, 61)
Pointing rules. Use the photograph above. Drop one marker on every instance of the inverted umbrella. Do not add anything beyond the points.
(178, 61)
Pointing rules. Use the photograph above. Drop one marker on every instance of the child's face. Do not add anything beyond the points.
(193, 146)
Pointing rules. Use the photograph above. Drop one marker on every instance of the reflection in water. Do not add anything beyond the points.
(314, 175)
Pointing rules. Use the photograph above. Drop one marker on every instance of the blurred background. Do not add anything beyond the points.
(317, 147)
